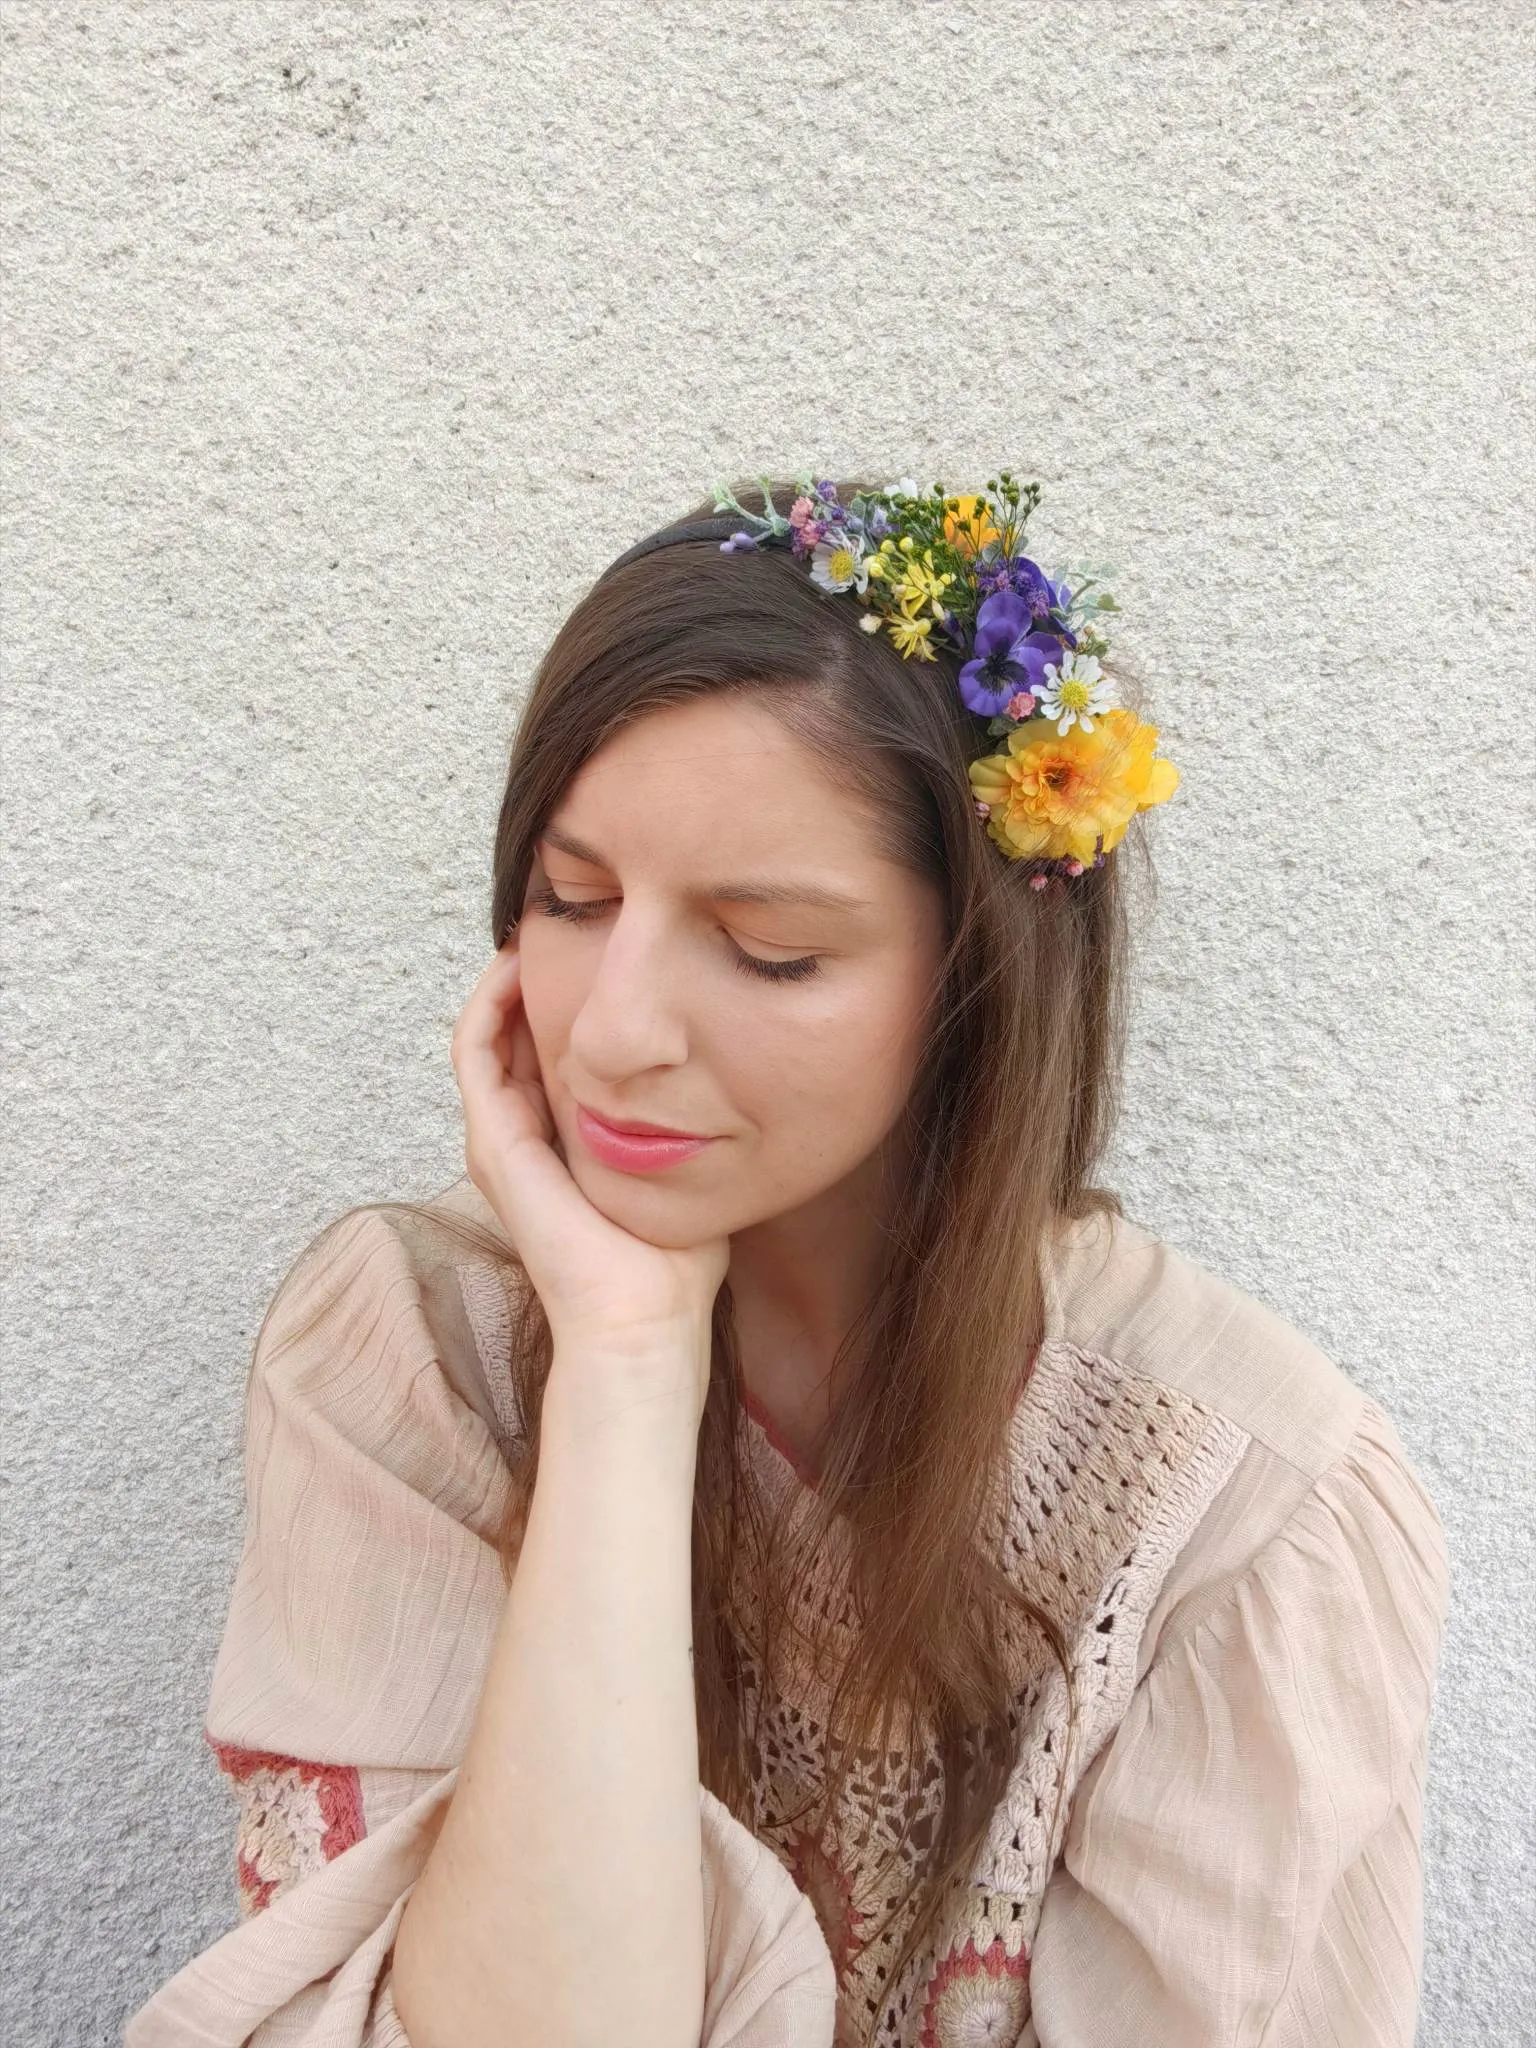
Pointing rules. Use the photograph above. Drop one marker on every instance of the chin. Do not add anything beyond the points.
(671, 1218)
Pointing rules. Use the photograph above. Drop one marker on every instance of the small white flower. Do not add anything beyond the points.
(871, 622)
(836, 565)
(907, 487)
(1075, 693)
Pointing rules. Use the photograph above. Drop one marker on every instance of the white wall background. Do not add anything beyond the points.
(346, 343)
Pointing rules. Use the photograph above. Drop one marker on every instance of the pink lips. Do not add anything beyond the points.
(633, 1151)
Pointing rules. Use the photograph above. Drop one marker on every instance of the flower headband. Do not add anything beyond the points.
(937, 571)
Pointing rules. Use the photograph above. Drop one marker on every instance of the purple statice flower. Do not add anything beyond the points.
(1009, 654)
(827, 491)
(1061, 598)
(1017, 573)
(1035, 589)
(738, 544)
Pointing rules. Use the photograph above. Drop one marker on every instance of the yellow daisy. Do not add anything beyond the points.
(911, 637)
(922, 586)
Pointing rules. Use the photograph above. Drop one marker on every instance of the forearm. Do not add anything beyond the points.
(562, 1904)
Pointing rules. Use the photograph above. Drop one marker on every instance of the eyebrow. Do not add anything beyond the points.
(723, 892)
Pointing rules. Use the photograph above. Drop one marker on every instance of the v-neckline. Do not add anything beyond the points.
(773, 1443)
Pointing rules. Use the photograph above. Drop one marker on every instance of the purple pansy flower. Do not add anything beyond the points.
(1047, 601)
(1009, 655)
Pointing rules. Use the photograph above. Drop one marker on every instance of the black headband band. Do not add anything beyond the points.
(692, 529)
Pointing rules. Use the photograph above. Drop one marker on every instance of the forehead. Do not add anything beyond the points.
(719, 783)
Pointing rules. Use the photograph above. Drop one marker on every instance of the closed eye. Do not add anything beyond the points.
(561, 906)
(775, 970)
(550, 905)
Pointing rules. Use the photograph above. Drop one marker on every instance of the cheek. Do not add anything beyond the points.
(552, 988)
(828, 1078)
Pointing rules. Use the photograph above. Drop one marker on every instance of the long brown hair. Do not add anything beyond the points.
(1011, 1110)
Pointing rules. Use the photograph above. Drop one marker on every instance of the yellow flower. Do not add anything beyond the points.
(911, 637)
(923, 585)
(969, 526)
(1056, 795)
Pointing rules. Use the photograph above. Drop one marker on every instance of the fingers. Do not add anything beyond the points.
(497, 1068)
(507, 1120)
(482, 1040)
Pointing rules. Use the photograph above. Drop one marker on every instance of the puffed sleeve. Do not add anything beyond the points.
(366, 1601)
(1242, 1861)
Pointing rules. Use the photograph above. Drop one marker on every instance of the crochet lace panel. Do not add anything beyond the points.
(1108, 1475)
(486, 1305)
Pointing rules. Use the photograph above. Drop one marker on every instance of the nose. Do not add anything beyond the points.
(632, 1017)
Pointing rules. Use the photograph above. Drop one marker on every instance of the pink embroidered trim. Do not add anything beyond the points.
(820, 1875)
(295, 1816)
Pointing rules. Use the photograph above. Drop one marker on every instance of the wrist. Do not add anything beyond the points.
(648, 1340)
(646, 1376)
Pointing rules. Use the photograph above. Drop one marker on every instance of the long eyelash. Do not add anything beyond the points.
(552, 905)
(777, 970)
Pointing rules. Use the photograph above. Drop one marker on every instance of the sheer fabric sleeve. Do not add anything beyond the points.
(365, 1605)
(1242, 1861)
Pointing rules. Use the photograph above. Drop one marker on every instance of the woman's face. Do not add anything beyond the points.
(738, 962)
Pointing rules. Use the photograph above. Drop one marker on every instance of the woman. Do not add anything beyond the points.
(775, 1556)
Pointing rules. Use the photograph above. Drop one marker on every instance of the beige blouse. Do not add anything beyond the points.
(1252, 1574)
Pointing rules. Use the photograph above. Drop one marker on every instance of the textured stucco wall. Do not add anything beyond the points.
(345, 343)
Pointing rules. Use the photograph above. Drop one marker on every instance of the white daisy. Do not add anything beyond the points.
(1075, 693)
(835, 565)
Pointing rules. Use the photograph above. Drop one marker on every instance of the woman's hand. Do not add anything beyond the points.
(600, 1285)
(586, 1724)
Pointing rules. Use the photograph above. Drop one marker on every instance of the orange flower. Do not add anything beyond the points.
(1057, 795)
(969, 527)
